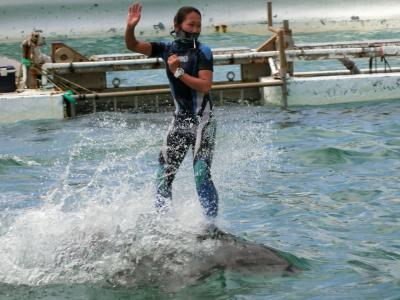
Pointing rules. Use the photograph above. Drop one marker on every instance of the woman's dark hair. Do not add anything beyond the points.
(183, 12)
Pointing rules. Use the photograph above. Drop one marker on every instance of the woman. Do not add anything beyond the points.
(190, 71)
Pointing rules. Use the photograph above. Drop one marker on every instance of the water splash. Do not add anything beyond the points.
(95, 225)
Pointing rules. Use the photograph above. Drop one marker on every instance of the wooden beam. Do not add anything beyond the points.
(269, 45)
(274, 30)
(269, 11)
(283, 66)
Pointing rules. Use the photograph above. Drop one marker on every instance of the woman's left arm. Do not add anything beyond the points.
(201, 84)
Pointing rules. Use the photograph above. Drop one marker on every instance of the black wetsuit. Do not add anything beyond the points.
(193, 126)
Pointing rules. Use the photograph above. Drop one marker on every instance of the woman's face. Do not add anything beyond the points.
(192, 23)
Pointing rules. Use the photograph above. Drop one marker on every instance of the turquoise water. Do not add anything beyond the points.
(320, 183)
(75, 17)
(76, 200)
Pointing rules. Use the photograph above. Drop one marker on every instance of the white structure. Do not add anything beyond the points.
(323, 90)
(31, 105)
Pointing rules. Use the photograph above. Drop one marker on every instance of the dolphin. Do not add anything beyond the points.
(237, 254)
(211, 251)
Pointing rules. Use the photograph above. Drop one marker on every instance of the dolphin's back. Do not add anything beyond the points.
(235, 253)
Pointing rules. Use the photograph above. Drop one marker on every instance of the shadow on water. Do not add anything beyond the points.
(355, 195)
(332, 156)
(335, 156)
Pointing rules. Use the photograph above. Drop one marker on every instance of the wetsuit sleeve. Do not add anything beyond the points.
(158, 49)
(206, 59)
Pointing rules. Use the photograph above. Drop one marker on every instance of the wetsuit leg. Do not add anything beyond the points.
(203, 150)
(171, 156)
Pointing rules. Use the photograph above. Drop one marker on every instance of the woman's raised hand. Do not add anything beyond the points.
(134, 13)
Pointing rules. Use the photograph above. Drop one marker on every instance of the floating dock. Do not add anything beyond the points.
(72, 84)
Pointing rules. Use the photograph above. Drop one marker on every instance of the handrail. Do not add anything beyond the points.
(217, 87)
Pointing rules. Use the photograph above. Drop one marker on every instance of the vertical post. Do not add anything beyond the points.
(284, 94)
(286, 25)
(269, 6)
(31, 74)
(72, 109)
(136, 103)
(288, 44)
(282, 54)
(115, 103)
(94, 105)
(283, 66)
(157, 103)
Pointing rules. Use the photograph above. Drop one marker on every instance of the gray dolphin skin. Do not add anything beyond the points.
(196, 256)
(237, 254)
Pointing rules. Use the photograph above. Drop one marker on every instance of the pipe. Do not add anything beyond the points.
(219, 87)
(118, 65)
(335, 53)
(272, 66)
(350, 44)
(343, 72)
(222, 59)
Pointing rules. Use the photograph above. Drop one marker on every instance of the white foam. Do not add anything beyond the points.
(95, 229)
(18, 160)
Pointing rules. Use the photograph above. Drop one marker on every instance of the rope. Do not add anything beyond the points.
(70, 82)
(60, 86)
(374, 61)
(64, 84)
(383, 58)
(70, 91)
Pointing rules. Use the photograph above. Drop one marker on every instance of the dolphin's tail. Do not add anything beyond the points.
(297, 264)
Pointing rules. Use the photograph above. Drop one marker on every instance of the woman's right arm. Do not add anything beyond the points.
(134, 14)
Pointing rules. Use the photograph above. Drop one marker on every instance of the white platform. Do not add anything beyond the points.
(323, 90)
(31, 105)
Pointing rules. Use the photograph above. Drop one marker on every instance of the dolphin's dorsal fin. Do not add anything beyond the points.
(212, 232)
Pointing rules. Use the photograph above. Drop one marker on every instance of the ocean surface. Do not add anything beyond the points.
(92, 17)
(322, 183)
